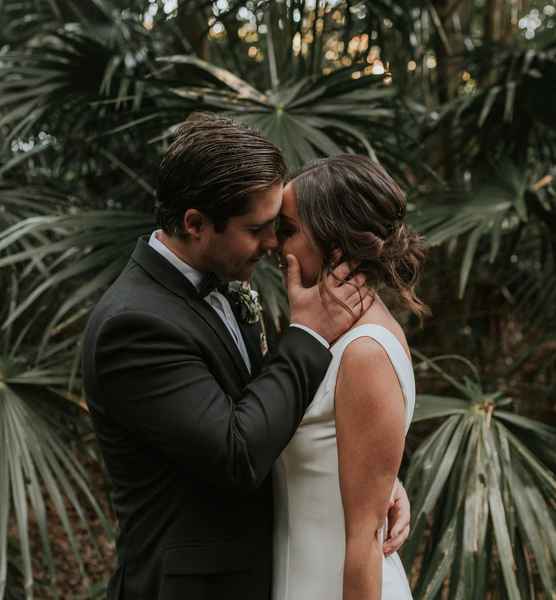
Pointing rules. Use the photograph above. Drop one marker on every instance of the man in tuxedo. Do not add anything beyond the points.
(188, 418)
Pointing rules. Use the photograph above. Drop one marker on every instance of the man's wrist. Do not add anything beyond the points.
(312, 332)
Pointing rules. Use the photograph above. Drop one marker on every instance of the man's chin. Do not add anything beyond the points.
(246, 272)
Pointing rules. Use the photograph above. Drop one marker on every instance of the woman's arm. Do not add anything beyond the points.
(370, 422)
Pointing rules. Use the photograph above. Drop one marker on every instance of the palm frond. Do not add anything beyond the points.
(93, 245)
(63, 88)
(300, 117)
(478, 485)
(493, 210)
(37, 465)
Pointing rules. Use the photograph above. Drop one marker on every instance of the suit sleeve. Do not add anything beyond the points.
(155, 383)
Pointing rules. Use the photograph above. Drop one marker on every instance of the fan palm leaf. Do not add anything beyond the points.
(310, 117)
(93, 245)
(483, 488)
(73, 85)
(72, 82)
(498, 207)
(37, 465)
(19, 203)
(25, 19)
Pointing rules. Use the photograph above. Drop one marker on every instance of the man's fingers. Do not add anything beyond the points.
(342, 274)
(358, 303)
(352, 286)
(294, 272)
(399, 520)
(394, 543)
(358, 280)
(398, 528)
(339, 274)
(356, 294)
(399, 516)
(358, 300)
(351, 289)
(398, 533)
(364, 306)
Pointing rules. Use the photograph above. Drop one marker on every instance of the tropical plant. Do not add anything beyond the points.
(484, 489)
(37, 464)
(301, 116)
(452, 97)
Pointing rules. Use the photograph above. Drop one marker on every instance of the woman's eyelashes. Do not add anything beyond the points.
(285, 229)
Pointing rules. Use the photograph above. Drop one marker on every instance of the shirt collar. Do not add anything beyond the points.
(186, 270)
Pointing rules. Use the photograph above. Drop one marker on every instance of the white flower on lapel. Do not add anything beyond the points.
(247, 300)
(250, 308)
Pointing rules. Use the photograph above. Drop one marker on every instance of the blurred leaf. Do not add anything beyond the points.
(495, 208)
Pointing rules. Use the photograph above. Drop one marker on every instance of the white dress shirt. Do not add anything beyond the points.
(217, 300)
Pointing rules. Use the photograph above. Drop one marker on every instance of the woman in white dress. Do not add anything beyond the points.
(334, 480)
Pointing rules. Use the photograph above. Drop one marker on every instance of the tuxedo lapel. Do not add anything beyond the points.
(251, 333)
(206, 312)
(252, 337)
(168, 276)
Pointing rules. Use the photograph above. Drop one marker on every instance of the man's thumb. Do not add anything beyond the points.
(294, 275)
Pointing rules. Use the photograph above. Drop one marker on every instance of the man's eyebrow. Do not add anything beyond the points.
(268, 222)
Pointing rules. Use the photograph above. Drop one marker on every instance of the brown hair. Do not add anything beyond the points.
(351, 204)
(214, 165)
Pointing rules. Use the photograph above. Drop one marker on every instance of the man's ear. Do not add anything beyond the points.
(194, 222)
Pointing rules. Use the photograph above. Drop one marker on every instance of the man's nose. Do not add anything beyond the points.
(270, 241)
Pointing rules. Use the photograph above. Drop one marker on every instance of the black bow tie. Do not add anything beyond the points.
(210, 283)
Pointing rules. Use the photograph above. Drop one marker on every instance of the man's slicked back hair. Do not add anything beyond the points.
(214, 165)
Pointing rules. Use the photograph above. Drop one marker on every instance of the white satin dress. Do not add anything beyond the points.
(309, 537)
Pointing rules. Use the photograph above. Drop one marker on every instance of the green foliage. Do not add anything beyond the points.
(37, 464)
(302, 117)
(483, 490)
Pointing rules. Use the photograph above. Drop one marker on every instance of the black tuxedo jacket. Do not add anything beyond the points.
(188, 437)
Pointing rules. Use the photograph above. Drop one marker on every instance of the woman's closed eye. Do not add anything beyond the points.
(285, 229)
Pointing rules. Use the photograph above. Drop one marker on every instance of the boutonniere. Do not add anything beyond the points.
(247, 300)
(248, 305)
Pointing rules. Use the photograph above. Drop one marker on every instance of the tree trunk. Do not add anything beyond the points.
(449, 48)
(193, 24)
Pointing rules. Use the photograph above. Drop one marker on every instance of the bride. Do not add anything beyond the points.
(335, 478)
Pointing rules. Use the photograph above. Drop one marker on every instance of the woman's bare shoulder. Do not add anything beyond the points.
(378, 314)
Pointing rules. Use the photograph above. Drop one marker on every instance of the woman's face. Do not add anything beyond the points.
(295, 239)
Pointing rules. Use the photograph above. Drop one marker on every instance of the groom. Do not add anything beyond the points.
(188, 418)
